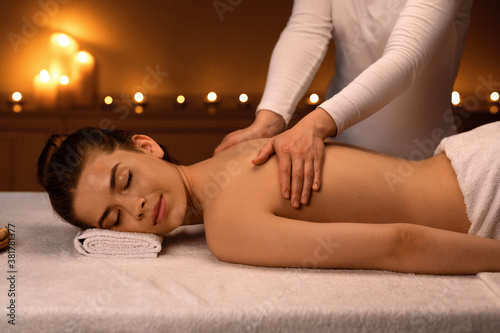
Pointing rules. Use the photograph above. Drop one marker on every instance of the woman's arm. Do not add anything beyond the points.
(279, 242)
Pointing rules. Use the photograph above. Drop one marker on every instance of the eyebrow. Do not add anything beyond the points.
(112, 184)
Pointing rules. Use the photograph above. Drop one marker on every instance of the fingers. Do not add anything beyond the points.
(285, 168)
(317, 165)
(226, 143)
(307, 183)
(297, 181)
(306, 175)
(264, 153)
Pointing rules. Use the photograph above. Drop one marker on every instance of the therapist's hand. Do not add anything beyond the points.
(300, 152)
(266, 124)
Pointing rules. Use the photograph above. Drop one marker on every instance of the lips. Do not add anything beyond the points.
(159, 210)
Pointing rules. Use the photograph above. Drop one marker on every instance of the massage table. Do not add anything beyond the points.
(186, 289)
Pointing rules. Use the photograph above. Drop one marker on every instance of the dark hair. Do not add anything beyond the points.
(63, 158)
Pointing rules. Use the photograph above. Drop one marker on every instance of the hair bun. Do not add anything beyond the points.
(51, 147)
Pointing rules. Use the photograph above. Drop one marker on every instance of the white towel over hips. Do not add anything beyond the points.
(475, 157)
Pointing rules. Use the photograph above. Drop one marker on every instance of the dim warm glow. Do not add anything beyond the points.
(314, 98)
(63, 40)
(139, 109)
(455, 98)
(17, 108)
(494, 96)
(181, 99)
(108, 100)
(83, 56)
(243, 98)
(139, 97)
(44, 76)
(494, 109)
(16, 97)
(64, 80)
(212, 97)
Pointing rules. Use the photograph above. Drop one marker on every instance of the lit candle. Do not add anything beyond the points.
(65, 92)
(313, 99)
(86, 79)
(455, 98)
(243, 102)
(45, 90)
(494, 96)
(212, 97)
(180, 102)
(17, 97)
(139, 98)
(62, 50)
(211, 101)
(16, 102)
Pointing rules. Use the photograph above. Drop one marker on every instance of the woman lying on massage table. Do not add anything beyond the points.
(372, 212)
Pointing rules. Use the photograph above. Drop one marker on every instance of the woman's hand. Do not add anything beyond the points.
(300, 152)
(266, 124)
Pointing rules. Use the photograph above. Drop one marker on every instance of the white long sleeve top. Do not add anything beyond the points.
(395, 64)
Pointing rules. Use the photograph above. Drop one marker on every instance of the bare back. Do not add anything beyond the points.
(358, 186)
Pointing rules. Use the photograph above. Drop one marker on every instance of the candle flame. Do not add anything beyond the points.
(83, 56)
(108, 100)
(243, 98)
(138, 97)
(314, 98)
(16, 97)
(494, 96)
(63, 40)
(44, 76)
(64, 80)
(212, 97)
(455, 98)
(181, 99)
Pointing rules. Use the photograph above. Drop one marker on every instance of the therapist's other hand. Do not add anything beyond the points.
(266, 124)
(301, 152)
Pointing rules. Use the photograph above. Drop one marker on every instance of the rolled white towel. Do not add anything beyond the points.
(103, 243)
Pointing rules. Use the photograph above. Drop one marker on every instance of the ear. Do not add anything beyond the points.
(147, 144)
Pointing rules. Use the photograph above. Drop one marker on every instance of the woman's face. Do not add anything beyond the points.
(131, 191)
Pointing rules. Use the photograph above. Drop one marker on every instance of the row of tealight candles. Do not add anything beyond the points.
(69, 79)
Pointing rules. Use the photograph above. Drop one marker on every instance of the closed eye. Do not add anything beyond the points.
(129, 180)
(117, 219)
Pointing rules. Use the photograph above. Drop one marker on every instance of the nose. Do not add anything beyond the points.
(140, 208)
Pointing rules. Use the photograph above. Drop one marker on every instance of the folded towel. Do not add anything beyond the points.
(103, 243)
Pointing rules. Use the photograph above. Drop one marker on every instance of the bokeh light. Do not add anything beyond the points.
(139, 97)
(108, 100)
(243, 98)
(314, 98)
(181, 99)
(494, 96)
(44, 76)
(17, 96)
(455, 98)
(212, 96)
(64, 80)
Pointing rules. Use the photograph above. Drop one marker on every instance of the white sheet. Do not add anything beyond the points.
(186, 289)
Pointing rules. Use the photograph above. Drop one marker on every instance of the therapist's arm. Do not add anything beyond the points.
(266, 125)
(427, 21)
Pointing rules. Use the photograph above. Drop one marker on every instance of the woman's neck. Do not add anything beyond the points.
(194, 209)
